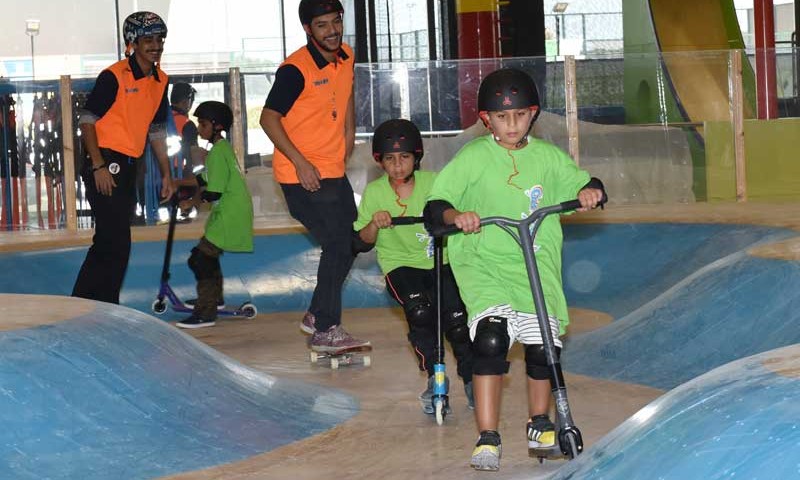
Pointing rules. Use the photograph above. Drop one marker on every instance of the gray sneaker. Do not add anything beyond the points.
(308, 322)
(426, 397)
(334, 340)
(470, 395)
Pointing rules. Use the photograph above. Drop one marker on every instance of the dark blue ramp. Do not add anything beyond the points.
(119, 394)
(737, 421)
(618, 268)
(735, 307)
(278, 277)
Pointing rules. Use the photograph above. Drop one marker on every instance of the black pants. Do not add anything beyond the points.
(103, 270)
(328, 215)
(409, 285)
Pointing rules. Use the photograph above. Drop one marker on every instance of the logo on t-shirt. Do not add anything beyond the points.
(428, 240)
(535, 195)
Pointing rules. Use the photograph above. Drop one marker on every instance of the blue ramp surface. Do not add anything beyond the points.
(737, 421)
(618, 268)
(279, 277)
(118, 394)
(732, 308)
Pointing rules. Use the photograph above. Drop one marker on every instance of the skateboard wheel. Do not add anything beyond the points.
(334, 363)
(313, 356)
(367, 361)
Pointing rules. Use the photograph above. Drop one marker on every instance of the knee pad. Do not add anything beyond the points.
(490, 346)
(455, 327)
(418, 310)
(202, 265)
(536, 362)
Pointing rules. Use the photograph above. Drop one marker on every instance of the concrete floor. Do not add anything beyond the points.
(391, 438)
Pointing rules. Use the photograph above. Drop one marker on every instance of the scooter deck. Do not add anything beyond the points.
(547, 453)
(343, 357)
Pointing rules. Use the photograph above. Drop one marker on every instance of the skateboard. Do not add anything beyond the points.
(345, 356)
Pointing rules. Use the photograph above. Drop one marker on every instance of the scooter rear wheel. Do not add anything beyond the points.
(249, 310)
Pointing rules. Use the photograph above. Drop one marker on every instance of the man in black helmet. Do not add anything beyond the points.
(310, 117)
(126, 108)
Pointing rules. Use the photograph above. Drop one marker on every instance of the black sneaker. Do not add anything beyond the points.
(195, 322)
(541, 432)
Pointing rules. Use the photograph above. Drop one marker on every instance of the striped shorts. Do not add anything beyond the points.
(522, 327)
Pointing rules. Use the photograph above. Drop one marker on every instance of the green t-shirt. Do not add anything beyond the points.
(230, 223)
(494, 181)
(402, 245)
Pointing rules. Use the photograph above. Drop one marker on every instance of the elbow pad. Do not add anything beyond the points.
(207, 196)
(359, 245)
(434, 212)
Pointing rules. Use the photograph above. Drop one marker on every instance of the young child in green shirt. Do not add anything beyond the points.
(229, 227)
(508, 174)
(405, 253)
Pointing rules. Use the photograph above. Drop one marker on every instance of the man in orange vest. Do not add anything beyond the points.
(310, 117)
(127, 105)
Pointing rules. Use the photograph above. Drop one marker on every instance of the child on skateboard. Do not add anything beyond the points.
(508, 173)
(405, 253)
(229, 227)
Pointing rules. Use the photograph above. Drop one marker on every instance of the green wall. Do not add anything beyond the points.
(772, 166)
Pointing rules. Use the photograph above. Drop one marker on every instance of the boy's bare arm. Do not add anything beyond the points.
(369, 233)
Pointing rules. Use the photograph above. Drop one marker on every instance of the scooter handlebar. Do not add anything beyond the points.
(407, 220)
(569, 205)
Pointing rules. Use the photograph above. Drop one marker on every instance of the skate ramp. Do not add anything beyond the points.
(108, 390)
(737, 421)
(694, 302)
(686, 298)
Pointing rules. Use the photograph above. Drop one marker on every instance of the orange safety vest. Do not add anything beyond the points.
(180, 121)
(125, 125)
(315, 123)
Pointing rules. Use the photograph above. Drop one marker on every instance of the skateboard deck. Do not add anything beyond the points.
(345, 356)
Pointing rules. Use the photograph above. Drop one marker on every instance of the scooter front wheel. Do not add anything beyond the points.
(159, 306)
(571, 443)
(438, 406)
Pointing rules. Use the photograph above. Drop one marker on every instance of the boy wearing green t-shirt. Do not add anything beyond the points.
(508, 174)
(229, 227)
(405, 253)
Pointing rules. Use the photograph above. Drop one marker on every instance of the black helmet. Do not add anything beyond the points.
(180, 92)
(314, 8)
(215, 112)
(508, 88)
(142, 24)
(397, 135)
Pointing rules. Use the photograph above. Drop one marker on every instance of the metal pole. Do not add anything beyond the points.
(431, 30)
(33, 61)
(283, 30)
(119, 40)
(558, 36)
